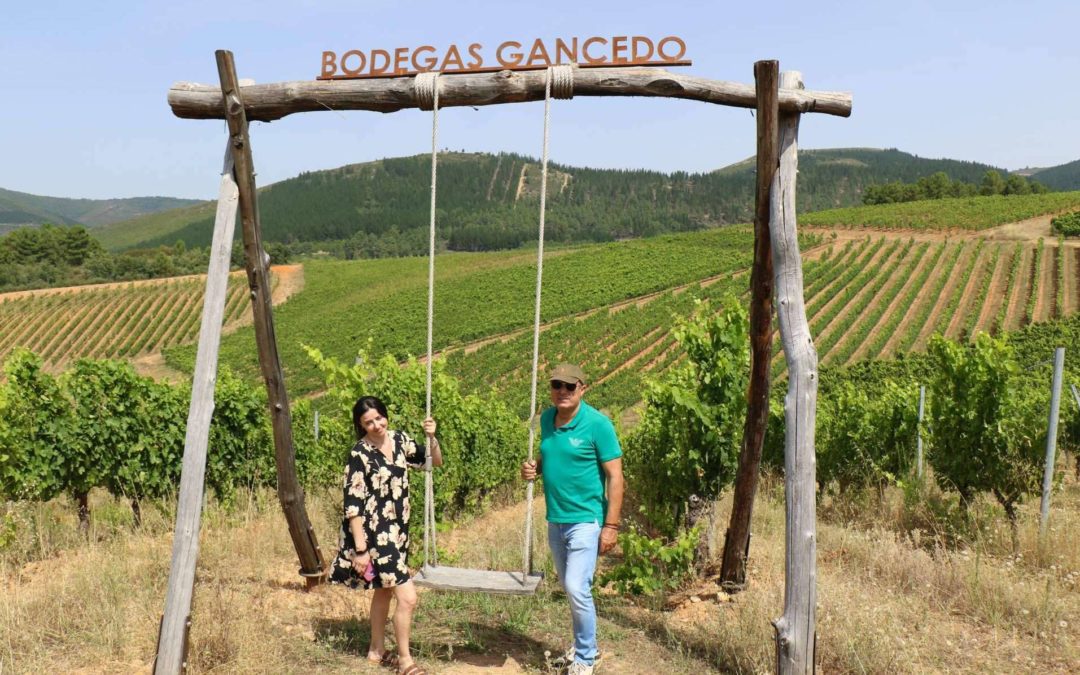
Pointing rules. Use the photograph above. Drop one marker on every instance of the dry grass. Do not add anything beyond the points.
(891, 598)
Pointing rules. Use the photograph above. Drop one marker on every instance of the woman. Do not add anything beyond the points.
(375, 530)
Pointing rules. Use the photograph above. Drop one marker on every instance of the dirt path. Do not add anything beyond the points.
(1018, 300)
(1071, 281)
(845, 234)
(956, 321)
(1047, 288)
(290, 282)
(1031, 229)
(894, 305)
(995, 295)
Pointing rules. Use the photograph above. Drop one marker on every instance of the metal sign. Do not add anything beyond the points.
(592, 52)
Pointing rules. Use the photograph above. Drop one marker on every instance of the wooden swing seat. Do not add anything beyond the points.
(446, 578)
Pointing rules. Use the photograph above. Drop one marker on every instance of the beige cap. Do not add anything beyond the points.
(567, 372)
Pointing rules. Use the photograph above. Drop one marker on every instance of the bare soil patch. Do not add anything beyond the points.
(952, 330)
(1071, 281)
(1047, 288)
(1018, 300)
(995, 295)
(1031, 229)
(153, 365)
(943, 299)
(290, 282)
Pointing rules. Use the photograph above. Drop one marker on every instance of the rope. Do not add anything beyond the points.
(563, 79)
(427, 94)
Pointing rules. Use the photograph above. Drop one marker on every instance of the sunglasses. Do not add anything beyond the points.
(556, 385)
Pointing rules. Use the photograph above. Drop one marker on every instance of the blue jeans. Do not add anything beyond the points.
(574, 547)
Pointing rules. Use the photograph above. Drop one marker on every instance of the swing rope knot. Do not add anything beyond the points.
(562, 81)
(424, 85)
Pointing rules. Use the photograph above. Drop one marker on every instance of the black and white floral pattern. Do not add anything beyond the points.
(377, 490)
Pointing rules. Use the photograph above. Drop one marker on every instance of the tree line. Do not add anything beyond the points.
(939, 186)
(53, 255)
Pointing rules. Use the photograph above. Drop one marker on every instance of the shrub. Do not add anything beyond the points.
(985, 430)
(649, 565)
(1067, 225)
(691, 428)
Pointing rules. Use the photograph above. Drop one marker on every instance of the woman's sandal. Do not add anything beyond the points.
(389, 659)
(413, 669)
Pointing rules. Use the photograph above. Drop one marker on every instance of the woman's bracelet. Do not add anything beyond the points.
(613, 526)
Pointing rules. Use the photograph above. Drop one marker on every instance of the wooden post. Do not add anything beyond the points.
(736, 543)
(795, 629)
(918, 431)
(290, 493)
(171, 656)
(1051, 439)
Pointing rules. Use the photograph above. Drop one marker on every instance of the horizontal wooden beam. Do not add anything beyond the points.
(268, 102)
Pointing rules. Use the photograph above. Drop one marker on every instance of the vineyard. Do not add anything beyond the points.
(866, 299)
(960, 213)
(477, 296)
(119, 321)
(629, 312)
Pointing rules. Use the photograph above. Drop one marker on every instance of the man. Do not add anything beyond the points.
(578, 451)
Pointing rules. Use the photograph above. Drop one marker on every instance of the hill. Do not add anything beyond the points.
(18, 209)
(488, 201)
(1062, 177)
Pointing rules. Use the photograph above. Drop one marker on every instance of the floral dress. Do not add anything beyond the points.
(377, 490)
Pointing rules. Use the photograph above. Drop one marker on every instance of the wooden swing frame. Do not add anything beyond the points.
(779, 103)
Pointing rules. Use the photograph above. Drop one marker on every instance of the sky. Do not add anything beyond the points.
(83, 85)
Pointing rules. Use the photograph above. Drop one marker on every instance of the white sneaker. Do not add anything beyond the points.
(578, 668)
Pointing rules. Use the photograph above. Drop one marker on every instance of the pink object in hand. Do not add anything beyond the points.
(369, 572)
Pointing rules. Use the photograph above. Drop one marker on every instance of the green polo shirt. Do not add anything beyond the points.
(570, 461)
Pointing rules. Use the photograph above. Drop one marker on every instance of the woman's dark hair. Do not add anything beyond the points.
(364, 404)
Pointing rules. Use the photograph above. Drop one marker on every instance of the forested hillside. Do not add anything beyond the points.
(18, 209)
(489, 201)
(1063, 177)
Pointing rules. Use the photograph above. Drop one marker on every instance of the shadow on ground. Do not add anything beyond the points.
(475, 643)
